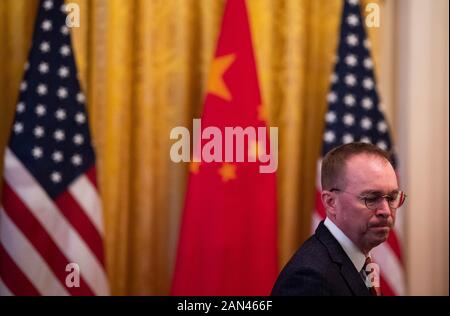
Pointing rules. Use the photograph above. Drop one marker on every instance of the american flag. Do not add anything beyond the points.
(50, 211)
(354, 114)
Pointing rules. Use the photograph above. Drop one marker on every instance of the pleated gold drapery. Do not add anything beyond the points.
(143, 66)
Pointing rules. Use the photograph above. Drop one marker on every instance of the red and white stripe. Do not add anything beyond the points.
(40, 236)
(387, 255)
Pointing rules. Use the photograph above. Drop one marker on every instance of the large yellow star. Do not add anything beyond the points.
(216, 84)
(228, 172)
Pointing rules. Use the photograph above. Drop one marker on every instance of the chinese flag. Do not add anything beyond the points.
(228, 237)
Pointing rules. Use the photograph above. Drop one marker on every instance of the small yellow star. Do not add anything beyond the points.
(255, 148)
(262, 113)
(216, 84)
(228, 172)
(194, 167)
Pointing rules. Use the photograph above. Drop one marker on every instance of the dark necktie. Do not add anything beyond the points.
(372, 277)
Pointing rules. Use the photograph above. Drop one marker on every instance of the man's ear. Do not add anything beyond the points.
(329, 202)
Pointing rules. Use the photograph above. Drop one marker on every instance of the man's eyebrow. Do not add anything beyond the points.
(366, 192)
(378, 192)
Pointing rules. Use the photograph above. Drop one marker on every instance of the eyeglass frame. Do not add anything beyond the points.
(364, 198)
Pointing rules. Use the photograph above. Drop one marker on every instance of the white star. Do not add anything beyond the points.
(381, 144)
(40, 110)
(329, 136)
(60, 114)
(78, 139)
(59, 135)
(48, 5)
(365, 139)
(23, 86)
(76, 160)
(63, 71)
(62, 93)
(80, 118)
(348, 119)
(368, 63)
(18, 127)
(46, 25)
(65, 50)
(352, 20)
(44, 47)
(352, 40)
(37, 152)
(368, 83)
(43, 68)
(366, 123)
(334, 78)
(367, 103)
(26, 66)
(20, 107)
(347, 138)
(80, 97)
(331, 97)
(56, 177)
(351, 60)
(353, 2)
(350, 80)
(330, 117)
(382, 126)
(367, 43)
(57, 156)
(64, 30)
(41, 89)
(63, 8)
(38, 131)
(349, 100)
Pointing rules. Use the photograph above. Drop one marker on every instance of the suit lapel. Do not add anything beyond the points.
(354, 280)
(338, 255)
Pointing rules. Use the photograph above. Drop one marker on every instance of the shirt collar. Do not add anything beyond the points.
(356, 256)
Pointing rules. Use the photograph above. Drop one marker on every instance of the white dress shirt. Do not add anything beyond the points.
(353, 252)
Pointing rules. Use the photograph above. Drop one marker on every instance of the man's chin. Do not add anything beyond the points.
(380, 235)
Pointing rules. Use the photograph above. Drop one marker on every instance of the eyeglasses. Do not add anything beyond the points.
(373, 201)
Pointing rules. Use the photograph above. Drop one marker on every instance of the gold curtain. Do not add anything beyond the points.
(143, 66)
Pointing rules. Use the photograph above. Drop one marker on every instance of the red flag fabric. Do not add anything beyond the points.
(228, 237)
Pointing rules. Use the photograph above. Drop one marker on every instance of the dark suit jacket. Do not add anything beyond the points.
(320, 267)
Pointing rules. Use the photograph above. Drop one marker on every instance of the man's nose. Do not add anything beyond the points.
(384, 209)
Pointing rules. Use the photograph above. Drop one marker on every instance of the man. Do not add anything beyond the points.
(360, 194)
